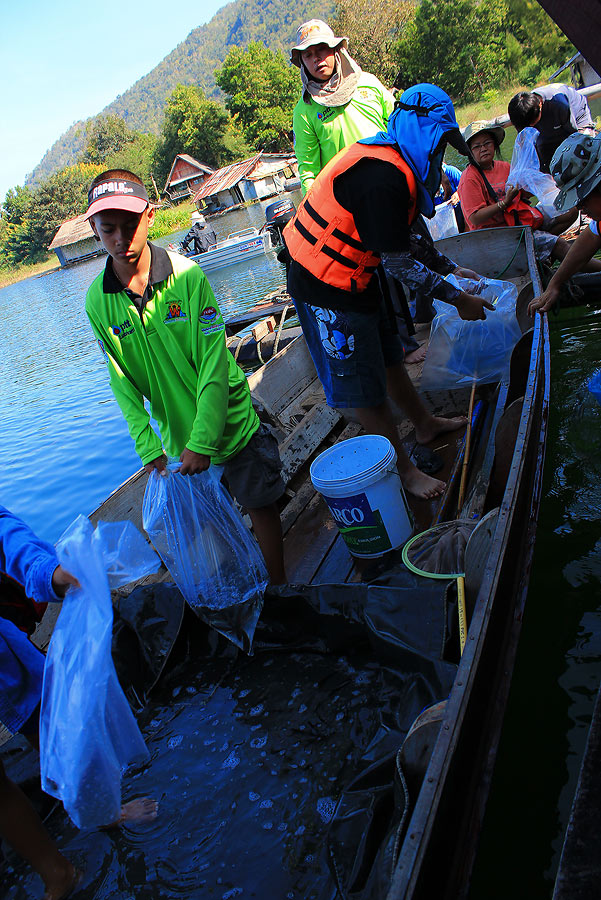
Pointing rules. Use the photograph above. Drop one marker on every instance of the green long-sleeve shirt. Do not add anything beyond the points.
(320, 132)
(171, 350)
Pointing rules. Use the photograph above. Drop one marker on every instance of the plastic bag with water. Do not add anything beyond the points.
(460, 351)
(88, 734)
(204, 543)
(525, 172)
(444, 223)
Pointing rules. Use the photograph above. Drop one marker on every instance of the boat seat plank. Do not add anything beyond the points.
(337, 566)
(308, 541)
(306, 438)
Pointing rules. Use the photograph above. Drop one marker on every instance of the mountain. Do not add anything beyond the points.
(274, 22)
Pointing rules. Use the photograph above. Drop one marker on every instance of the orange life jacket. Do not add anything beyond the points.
(322, 236)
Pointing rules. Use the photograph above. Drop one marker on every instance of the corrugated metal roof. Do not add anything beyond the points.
(227, 177)
(71, 231)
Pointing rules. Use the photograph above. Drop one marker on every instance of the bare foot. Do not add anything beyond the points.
(437, 425)
(144, 809)
(421, 485)
(62, 883)
(417, 356)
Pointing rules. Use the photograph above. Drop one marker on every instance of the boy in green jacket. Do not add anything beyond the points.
(162, 336)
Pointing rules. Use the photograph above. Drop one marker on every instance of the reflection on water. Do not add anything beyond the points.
(558, 670)
(65, 445)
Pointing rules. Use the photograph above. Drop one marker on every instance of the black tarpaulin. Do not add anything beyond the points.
(278, 773)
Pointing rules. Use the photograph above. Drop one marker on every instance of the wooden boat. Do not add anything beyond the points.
(237, 247)
(449, 753)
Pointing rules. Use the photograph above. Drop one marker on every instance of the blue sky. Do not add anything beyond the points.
(62, 61)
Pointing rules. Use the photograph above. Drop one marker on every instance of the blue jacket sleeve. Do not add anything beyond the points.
(26, 558)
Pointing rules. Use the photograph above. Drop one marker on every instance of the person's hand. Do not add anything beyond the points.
(192, 463)
(546, 300)
(160, 464)
(61, 579)
(460, 272)
(510, 195)
(471, 307)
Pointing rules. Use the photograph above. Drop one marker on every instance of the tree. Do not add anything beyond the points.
(60, 197)
(192, 125)
(457, 44)
(137, 156)
(105, 136)
(261, 94)
(542, 43)
(374, 28)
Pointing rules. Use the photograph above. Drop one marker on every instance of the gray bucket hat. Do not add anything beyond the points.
(315, 31)
(475, 128)
(576, 168)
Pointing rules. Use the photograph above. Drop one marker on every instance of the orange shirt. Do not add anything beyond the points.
(474, 195)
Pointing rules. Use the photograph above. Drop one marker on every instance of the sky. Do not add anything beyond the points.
(65, 60)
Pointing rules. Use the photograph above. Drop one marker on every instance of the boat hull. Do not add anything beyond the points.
(228, 254)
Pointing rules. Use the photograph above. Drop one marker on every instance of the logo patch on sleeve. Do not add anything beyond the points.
(209, 314)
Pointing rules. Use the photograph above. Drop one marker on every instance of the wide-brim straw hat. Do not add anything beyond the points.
(475, 128)
(315, 31)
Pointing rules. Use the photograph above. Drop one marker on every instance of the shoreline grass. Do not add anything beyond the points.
(12, 274)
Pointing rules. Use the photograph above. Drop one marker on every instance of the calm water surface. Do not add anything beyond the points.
(65, 445)
(559, 658)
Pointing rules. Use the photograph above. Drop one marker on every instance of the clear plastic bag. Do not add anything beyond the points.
(461, 352)
(88, 734)
(443, 224)
(525, 172)
(203, 541)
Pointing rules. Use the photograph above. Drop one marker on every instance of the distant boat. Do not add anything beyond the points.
(235, 248)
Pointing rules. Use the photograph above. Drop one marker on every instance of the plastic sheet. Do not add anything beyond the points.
(461, 352)
(279, 773)
(205, 545)
(88, 735)
(594, 385)
(525, 172)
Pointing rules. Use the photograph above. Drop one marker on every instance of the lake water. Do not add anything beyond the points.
(65, 445)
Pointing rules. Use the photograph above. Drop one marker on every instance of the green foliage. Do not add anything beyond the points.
(261, 90)
(373, 28)
(537, 34)
(192, 125)
(33, 216)
(17, 204)
(105, 136)
(171, 219)
(137, 155)
(458, 44)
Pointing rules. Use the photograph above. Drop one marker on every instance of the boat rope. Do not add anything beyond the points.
(280, 327)
(242, 341)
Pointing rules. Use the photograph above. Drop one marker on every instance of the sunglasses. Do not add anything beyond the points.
(483, 144)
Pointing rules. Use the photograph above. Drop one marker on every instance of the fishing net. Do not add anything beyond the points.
(439, 552)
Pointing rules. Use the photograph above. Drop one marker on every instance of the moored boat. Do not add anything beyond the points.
(237, 247)
(397, 822)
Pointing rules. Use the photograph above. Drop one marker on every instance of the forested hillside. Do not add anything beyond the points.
(273, 22)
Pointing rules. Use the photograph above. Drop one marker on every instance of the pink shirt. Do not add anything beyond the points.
(474, 195)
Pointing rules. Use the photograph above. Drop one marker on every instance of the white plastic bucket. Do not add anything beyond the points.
(359, 482)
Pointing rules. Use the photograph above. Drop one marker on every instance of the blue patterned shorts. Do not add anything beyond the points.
(351, 352)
